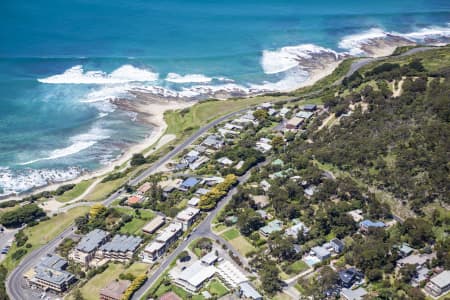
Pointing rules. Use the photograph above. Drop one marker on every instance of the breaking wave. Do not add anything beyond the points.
(124, 74)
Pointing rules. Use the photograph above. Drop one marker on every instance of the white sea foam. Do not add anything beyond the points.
(78, 143)
(188, 78)
(12, 182)
(286, 58)
(354, 43)
(124, 74)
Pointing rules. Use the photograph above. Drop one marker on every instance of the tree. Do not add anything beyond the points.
(260, 114)
(77, 295)
(249, 221)
(418, 231)
(327, 278)
(269, 275)
(277, 142)
(96, 210)
(408, 272)
(24, 214)
(137, 159)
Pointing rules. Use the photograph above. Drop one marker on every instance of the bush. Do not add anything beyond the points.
(137, 159)
(134, 286)
(18, 254)
(20, 215)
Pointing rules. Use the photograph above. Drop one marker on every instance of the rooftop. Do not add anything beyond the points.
(320, 251)
(145, 187)
(170, 296)
(169, 232)
(122, 243)
(190, 182)
(209, 258)
(275, 225)
(304, 114)
(442, 280)
(92, 240)
(154, 224)
(51, 269)
(196, 274)
(369, 223)
(249, 291)
(187, 213)
(357, 294)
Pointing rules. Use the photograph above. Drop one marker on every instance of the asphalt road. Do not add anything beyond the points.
(15, 282)
(202, 230)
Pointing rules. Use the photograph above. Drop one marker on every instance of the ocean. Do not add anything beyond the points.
(61, 62)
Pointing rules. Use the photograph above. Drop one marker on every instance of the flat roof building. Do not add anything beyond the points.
(357, 294)
(154, 224)
(120, 248)
(439, 284)
(84, 251)
(187, 216)
(50, 274)
(189, 183)
(193, 277)
(294, 123)
(247, 291)
(274, 226)
(144, 188)
(159, 245)
(321, 253)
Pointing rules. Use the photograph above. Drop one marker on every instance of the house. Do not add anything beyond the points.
(189, 183)
(187, 217)
(181, 166)
(134, 199)
(278, 162)
(265, 185)
(349, 276)
(198, 163)
(193, 154)
(294, 123)
(310, 190)
(261, 201)
(321, 253)
(230, 126)
(201, 192)
(225, 161)
(367, 224)
(213, 141)
(439, 284)
(304, 115)
(405, 250)
(310, 107)
(114, 290)
(338, 245)
(144, 188)
(84, 251)
(50, 274)
(272, 112)
(247, 291)
(119, 248)
(284, 111)
(266, 105)
(200, 148)
(422, 275)
(231, 219)
(194, 201)
(274, 226)
(356, 215)
(263, 146)
(357, 294)
(210, 181)
(159, 245)
(154, 224)
(263, 214)
(295, 229)
(193, 277)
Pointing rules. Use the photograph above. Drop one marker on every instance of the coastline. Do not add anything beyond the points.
(150, 109)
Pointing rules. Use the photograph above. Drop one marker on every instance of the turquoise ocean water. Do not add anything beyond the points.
(60, 61)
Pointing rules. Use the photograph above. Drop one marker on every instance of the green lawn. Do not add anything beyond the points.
(137, 269)
(135, 225)
(76, 191)
(230, 234)
(44, 232)
(297, 267)
(216, 288)
(219, 227)
(242, 245)
(103, 190)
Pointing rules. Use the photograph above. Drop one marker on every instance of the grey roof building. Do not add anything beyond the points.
(50, 274)
(120, 248)
(249, 292)
(92, 240)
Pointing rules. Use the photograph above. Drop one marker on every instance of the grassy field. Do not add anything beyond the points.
(216, 288)
(230, 234)
(76, 191)
(242, 245)
(103, 190)
(297, 267)
(44, 232)
(138, 221)
(137, 269)
(91, 289)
